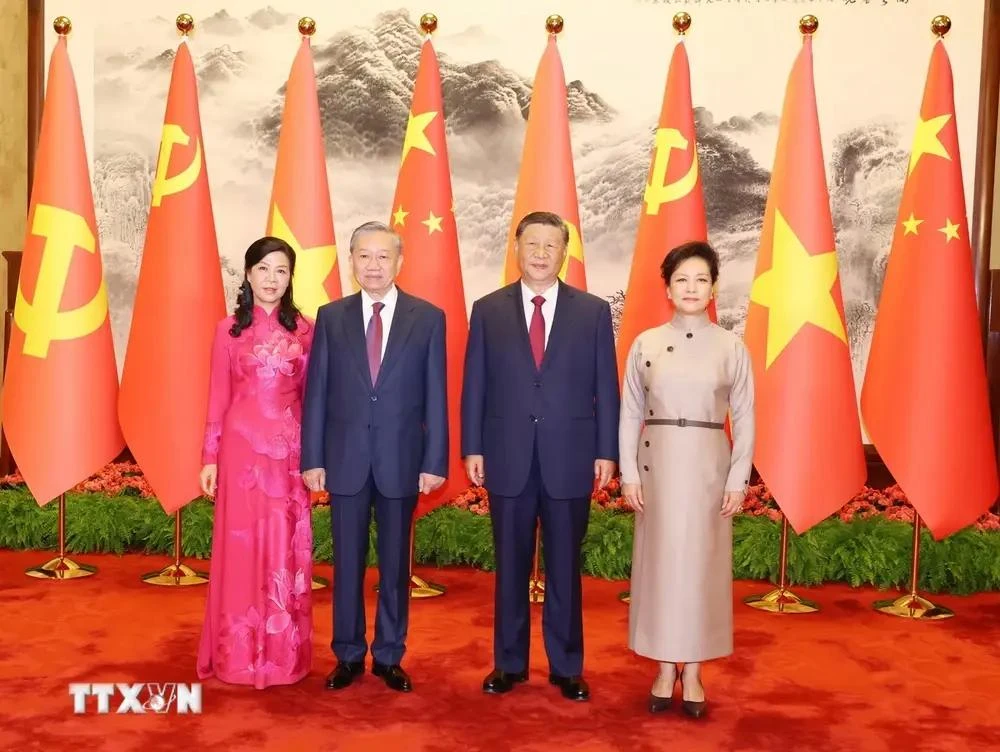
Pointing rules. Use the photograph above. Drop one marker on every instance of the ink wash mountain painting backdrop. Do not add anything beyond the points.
(870, 59)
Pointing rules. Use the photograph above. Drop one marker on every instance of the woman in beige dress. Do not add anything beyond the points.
(683, 479)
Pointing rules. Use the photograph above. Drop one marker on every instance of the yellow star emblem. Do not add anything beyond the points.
(796, 290)
(926, 140)
(416, 137)
(574, 249)
(911, 225)
(950, 231)
(433, 223)
(399, 216)
(312, 265)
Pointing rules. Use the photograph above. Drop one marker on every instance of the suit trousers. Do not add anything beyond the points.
(564, 525)
(350, 517)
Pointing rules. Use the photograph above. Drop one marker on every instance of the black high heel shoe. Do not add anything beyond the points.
(659, 704)
(692, 708)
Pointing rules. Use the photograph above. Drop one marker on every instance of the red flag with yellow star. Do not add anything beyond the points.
(673, 209)
(808, 447)
(61, 385)
(179, 301)
(925, 398)
(547, 181)
(423, 214)
(300, 212)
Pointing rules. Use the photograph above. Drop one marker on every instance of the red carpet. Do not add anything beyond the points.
(846, 678)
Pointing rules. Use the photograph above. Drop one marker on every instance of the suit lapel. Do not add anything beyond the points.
(354, 331)
(399, 332)
(560, 323)
(517, 300)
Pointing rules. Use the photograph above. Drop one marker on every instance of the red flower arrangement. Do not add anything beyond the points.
(125, 478)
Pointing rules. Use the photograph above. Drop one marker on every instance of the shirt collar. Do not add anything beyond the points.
(550, 294)
(389, 300)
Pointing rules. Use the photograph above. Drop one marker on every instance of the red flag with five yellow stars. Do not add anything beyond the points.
(61, 387)
(423, 214)
(673, 209)
(925, 399)
(179, 301)
(300, 212)
(808, 449)
(547, 181)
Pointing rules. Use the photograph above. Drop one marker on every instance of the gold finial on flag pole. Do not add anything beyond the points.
(682, 22)
(428, 23)
(307, 26)
(62, 25)
(940, 25)
(185, 24)
(554, 24)
(808, 24)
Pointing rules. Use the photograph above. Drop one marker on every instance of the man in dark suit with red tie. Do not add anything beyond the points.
(539, 427)
(374, 433)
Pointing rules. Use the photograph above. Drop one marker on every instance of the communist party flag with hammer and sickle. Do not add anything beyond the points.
(423, 215)
(673, 209)
(300, 212)
(808, 445)
(925, 398)
(547, 181)
(179, 302)
(61, 385)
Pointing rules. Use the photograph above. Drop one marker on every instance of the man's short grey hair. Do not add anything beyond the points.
(373, 226)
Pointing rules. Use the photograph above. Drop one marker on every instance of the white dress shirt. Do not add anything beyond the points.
(386, 315)
(548, 307)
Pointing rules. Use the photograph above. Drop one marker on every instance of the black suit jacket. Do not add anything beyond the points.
(397, 428)
(570, 405)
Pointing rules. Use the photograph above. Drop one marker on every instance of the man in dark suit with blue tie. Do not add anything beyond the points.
(539, 427)
(374, 433)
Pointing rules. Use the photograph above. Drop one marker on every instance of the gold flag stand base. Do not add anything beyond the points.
(61, 567)
(912, 605)
(176, 574)
(781, 600)
(536, 585)
(421, 588)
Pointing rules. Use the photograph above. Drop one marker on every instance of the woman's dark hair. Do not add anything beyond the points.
(288, 313)
(693, 249)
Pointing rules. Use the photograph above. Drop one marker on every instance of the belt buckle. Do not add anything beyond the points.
(681, 422)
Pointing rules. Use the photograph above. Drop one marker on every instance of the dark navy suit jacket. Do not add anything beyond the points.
(396, 429)
(571, 404)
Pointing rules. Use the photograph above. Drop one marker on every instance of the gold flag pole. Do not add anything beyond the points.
(307, 28)
(61, 568)
(912, 605)
(176, 574)
(781, 600)
(536, 585)
(681, 23)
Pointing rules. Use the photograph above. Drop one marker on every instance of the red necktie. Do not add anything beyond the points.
(373, 339)
(536, 332)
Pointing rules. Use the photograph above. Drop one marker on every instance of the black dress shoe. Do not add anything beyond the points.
(393, 676)
(344, 674)
(573, 687)
(499, 682)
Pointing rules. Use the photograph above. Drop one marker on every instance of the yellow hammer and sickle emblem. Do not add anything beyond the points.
(41, 320)
(166, 186)
(659, 191)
